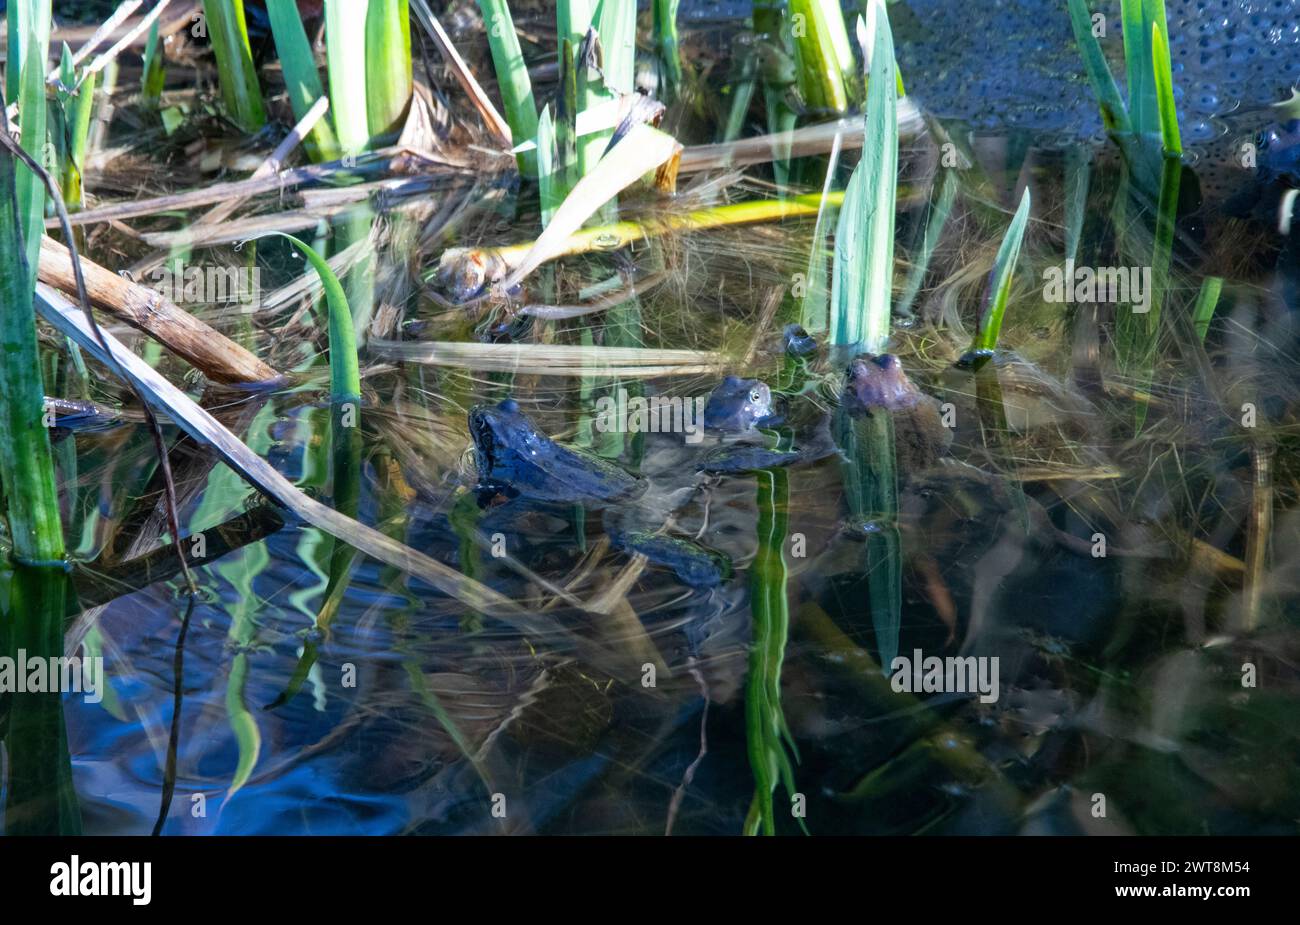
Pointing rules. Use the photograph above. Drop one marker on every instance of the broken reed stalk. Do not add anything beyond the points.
(555, 359)
(460, 70)
(209, 351)
(498, 262)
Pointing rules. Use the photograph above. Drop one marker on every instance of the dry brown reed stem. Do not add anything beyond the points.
(211, 352)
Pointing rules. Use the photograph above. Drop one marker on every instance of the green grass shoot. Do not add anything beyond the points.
(153, 73)
(512, 78)
(1004, 268)
(75, 107)
(300, 76)
(862, 271)
(822, 54)
(1163, 77)
(663, 25)
(1207, 300)
(1150, 110)
(345, 377)
(1114, 113)
(228, 32)
(34, 16)
(550, 190)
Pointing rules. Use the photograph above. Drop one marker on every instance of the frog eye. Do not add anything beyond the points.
(755, 396)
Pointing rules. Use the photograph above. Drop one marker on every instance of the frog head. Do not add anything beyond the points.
(877, 382)
(738, 406)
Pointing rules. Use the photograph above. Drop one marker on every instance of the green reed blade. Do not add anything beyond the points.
(1004, 269)
(1137, 65)
(39, 796)
(228, 32)
(551, 189)
(870, 479)
(572, 19)
(777, 74)
(663, 26)
(345, 48)
(300, 76)
(73, 128)
(26, 465)
(862, 272)
(345, 376)
(1207, 300)
(615, 22)
(512, 78)
(1113, 112)
(822, 53)
(815, 305)
(564, 169)
(153, 74)
(1078, 180)
(1164, 84)
(742, 95)
(388, 67)
(35, 16)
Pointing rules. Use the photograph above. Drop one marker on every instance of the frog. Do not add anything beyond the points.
(516, 461)
(951, 510)
(878, 384)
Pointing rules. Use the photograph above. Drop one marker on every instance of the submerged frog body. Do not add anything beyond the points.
(692, 563)
(878, 385)
(515, 459)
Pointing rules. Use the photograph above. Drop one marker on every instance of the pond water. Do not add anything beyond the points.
(1112, 556)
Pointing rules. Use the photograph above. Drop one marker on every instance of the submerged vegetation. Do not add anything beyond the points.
(602, 417)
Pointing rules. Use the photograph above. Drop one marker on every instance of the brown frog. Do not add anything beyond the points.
(958, 517)
(878, 384)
